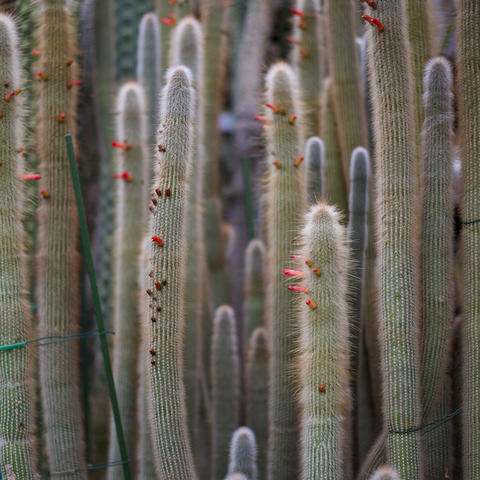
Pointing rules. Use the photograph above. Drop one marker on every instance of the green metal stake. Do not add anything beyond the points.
(248, 198)
(97, 306)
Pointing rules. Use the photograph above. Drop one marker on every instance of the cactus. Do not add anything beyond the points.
(15, 394)
(468, 52)
(398, 248)
(308, 58)
(314, 172)
(285, 200)
(257, 394)
(225, 388)
(237, 476)
(347, 93)
(172, 166)
(149, 73)
(131, 220)
(254, 289)
(324, 345)
(58, 275)
(385, 473)
(243, 453)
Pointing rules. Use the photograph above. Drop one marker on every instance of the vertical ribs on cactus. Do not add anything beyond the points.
(324, 364)
(174, 459)
(243, 453)
(15, 394)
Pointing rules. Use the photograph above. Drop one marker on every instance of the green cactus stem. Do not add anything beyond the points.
(314, 172)
(398, 247)
(58, 275)
(243, 453)
(309, 60)
(257, 394)
(285, 202)
(254, 288)
(131, 225)
(165, 287)
(16, 430)
(324, 364)
(467, 55)
(225, 388)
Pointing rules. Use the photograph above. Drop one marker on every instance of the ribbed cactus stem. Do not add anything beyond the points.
(324, 366)
(468, 85)
(166, 285)
(344, 67)
(437, 244)
(315, 169)
(243, 453)
(58, 275)
(15, 394)
(285, 202)
(385, 473)
(254, 287)
(309, 60)
(397, 244)
(131, 226)
(225, 388)
(257, 394)
(149, 68)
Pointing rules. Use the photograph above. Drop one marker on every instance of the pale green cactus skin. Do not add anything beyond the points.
(131, 126)
(315, 167)
(257, 394)
(168, 414)
(58, 275)
(285, 202)
(324, 364)
(16, 449)
(225, 374)
(397, 244)
(468, 52)
(243, 453)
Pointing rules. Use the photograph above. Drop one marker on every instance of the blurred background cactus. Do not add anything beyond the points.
(276, 238)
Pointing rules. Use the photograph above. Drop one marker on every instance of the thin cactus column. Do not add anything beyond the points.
(58, 271)
(174, 459)
(314, 171)
(16, 452)
(468, 85)
(286, 200)
(243, 453)
(324, 361)
(397, 220)
(131, 227)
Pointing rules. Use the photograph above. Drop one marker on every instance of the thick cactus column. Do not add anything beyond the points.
(285, 202)
(243, 453)
(58, 271)
(398, 221)
(131, 227)
(15, 423)
(468, 53)
(324, 365)
(167, 282)
(225, 388)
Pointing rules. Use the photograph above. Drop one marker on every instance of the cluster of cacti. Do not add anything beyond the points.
(324, 347)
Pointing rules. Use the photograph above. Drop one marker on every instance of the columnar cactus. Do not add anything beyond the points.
(309, 60)
(166, 285)
(285, 202)
(468, 38)
(398, 248)
(131, 227)
(58, 276)
(225, 388)
(324, 363)
(16, 426)
(257, 394)
(243, 453)
(314, 172)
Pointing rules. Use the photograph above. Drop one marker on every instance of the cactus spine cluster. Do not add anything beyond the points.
(172, 165)
(57, 256)
(15, 394)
